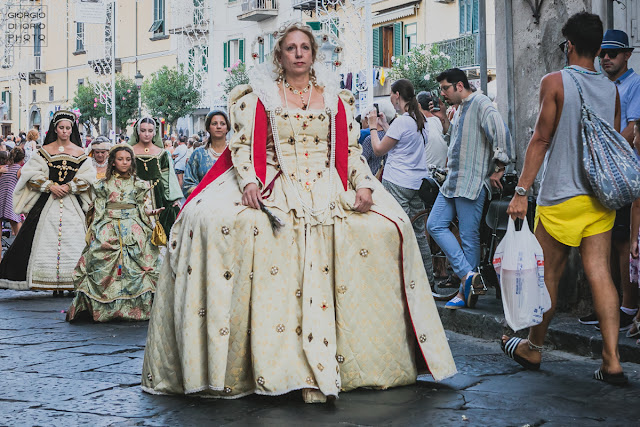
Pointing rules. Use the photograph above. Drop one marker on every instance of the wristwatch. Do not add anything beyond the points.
(498, 168)
(521, 191)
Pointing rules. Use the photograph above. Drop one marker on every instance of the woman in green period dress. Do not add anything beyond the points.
(117, 273)
(154, 164)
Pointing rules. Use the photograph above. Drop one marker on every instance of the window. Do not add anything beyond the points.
(469, 16)
(410, 36)
(198, 59)
(233, 52)
(6, 105)
(79, 37)
(50, 93)
(157, 28)
(80, 82)
(387, 42)
(198, 12)
(37, 42)
(33, 96)
(318, 26)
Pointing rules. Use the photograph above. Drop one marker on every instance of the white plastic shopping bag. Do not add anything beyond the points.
(519, 264)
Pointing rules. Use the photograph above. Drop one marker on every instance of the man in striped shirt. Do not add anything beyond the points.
(480, 147)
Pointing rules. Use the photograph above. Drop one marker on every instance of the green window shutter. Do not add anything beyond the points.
(476, 16)
(315, 26)
(397, 39)
(241, 50)
(205, 55)
(377, 47)
(462, 17)
(226, 55)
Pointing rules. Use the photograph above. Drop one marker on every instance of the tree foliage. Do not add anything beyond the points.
(421, 65)
(236, 75)
(126, 101)
(170, 93)
(86, 101)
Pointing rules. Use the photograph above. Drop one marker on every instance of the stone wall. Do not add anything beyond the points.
(536, 53)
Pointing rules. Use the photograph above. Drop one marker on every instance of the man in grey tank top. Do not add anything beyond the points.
(568, 213)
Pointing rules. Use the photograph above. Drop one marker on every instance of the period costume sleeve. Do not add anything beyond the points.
(81, 183)
(34, 180)
(242, 105)
(170, 181)
(360, 175)
(143, 200)
(99, 202)
(498, 135)
(191, 177)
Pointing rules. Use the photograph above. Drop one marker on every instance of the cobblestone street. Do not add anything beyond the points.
(53, 373)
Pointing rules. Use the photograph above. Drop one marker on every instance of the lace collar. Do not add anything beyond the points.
(262, 79)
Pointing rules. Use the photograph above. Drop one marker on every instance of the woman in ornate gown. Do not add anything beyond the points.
(218, 125)
(335, 299)
(117, 272)
(154, 164)
(54, 190)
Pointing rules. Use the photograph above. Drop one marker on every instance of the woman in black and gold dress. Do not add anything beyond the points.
(154, 164)
(54, 190)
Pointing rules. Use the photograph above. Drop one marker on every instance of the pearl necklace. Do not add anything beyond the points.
(100, 165)
(214, 153)
(332, 162)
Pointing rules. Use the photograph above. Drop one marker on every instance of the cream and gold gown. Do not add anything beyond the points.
(333, 301)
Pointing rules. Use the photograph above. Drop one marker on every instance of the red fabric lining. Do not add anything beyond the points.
(342, 144)
(260, 143)
(223, 164)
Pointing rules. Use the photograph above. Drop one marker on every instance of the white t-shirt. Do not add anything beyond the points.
(436, 145)
(180, 161)
(406, 163)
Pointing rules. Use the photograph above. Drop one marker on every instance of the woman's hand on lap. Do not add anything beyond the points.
(251, 196)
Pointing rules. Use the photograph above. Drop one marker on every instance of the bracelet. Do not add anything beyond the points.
(376, 129)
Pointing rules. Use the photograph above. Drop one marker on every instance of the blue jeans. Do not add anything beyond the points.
(466, 258)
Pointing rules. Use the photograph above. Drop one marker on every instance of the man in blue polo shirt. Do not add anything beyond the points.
(614, 57)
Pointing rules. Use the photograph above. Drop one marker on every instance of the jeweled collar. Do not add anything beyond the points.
(262, 79)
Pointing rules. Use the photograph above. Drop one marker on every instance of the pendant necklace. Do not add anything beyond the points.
(300, 93)
(61, 148)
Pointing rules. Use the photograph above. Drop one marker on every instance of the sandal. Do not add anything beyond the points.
(471, 289)
(636, 324)
(618, 379)
(509, 348)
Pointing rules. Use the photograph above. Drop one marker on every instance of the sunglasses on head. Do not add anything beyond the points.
(612, 53)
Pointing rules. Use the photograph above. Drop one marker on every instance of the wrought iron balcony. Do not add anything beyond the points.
(304, 4)
(464, 50)
(258, 10)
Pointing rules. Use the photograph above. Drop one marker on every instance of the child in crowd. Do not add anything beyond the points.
(634, 262)
(117, 273)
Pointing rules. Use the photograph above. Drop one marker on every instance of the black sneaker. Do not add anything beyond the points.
(626, 321)
(591, 319)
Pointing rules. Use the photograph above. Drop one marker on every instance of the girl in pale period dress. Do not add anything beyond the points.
(335, 299)
(54, 190)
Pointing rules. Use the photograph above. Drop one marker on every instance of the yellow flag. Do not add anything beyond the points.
(382, 77)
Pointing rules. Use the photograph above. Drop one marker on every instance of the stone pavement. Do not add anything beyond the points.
(56, 374)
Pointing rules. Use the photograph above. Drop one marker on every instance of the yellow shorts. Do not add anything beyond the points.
(574, 219)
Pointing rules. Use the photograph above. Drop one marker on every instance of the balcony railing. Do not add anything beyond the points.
(258, 10)
(464, 50)
(304, 4)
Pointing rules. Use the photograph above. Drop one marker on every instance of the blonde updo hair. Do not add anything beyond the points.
(283, 33)
(33, 135)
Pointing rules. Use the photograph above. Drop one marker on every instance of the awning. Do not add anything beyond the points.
(395, 14)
